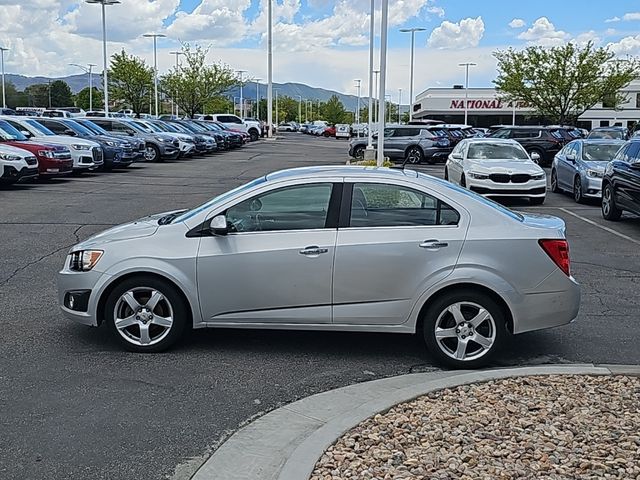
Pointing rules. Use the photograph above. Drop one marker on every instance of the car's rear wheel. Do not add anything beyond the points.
(146, 314)
(464, 329)
(414, 155)
(254, 135)
(555, 188)
(358, 152)
(446, 174)
(577, 190)
(463, 181)
(610, 210)
(152, 153)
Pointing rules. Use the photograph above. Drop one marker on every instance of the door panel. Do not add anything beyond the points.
(381, 270)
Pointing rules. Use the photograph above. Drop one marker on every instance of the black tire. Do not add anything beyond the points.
(254, 135)
(446, 174)
(358, 153)
(536, 200)
(463, 181)
(414, 155)
(555, 187)
(152, 153)
(181, 316)
(438, 315)
(610, 210)
(577, 190)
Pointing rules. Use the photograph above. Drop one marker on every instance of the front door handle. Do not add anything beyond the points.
(313, 251)
(433, 244)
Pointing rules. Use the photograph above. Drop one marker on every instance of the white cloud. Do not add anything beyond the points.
(612, 19)
(221, 22)
(586, 37)
(439, 11)
(544, 33)
(629, 17)
(465, 34)
(626, 46)
(517, 23)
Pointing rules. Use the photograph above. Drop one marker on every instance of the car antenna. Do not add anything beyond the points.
(400, 167)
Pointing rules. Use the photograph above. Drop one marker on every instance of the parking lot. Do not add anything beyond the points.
(75, 406)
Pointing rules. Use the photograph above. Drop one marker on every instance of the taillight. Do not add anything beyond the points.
(558, 251)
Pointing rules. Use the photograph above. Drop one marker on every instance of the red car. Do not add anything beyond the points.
(329, 132)
(53, 160)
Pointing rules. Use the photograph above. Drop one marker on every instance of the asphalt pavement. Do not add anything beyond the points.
(74, 406)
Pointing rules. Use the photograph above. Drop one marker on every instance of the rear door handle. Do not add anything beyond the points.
(313, 251)
(433, 244)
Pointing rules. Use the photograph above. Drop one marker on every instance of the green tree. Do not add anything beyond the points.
(561, 83)
(218, 104)
(38, 95)
(82, 98)
(130, 81)
(15, 98)
(334, 112)
(61, 95)
(195, 83)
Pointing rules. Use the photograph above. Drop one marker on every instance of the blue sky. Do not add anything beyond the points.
(319, 42)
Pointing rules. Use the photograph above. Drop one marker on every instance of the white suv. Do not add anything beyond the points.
(16, 164)
(86, 154)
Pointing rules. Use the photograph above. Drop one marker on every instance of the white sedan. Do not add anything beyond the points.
(496, 168)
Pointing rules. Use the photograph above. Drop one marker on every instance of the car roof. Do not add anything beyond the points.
(596, 141)
(341, 171)
(489, 140)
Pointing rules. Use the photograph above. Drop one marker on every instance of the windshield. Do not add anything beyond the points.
(495, 151)
(603, 152)
(152, 126)
(97, 129)
(41, 129)
(609, 134)
(139, 127)
(76, 127)
(7, 132)
(220, 198)
(166, 127)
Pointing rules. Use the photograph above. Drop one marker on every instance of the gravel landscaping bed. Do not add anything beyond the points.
(542, 427)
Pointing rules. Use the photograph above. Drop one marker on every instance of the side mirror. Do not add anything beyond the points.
(456, 156)
(70, 132)
(26, 133)
(218, 225)
(571, 157)
(535, 156)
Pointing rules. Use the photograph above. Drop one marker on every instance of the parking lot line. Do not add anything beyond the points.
(607, 229)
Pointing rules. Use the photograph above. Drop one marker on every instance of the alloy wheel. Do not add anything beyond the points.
(554, 181)
(150, 154)
(465, 331)
(143, 316)
(414, 156)
(577, 190)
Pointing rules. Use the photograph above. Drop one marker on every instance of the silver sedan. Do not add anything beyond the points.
(330, 248)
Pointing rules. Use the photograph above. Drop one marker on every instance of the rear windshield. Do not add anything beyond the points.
(600, 153)
(608, 134)
(496, 151)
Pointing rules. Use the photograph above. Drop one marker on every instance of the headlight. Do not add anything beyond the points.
(9, 157)
(594, 173)
(538, 176)
(479, 176)
(110, 143)
(47, 153)
(81, 147)
(162, 139)
(84, 260)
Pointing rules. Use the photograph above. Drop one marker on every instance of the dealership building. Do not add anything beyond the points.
(485, 108)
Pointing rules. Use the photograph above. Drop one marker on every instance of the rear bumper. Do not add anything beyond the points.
(437, 153)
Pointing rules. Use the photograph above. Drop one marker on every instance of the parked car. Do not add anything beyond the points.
(16, 164)
(232, 122)
(609, 133)
(332, 270)
(496, 168)
(222, 138)
(235, 137)
(57, 114)
(255, 128)
(86, 154)
(53, 160)
(186, 142)
(113, 148)
(158, 146)
(579, 167)
(203, 144)
(412, 143)
(544, 142)
(133, 149)
(621, 182)
(286, 127)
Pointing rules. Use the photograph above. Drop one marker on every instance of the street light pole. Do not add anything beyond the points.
(369, 152)
(257, 80)
(174, 104)
(88, 69)
(413, 46)
(155, 37)
(300, 109)
(383, 80)
(357, 119)
(399, 106)
(4, 93)
(277, 122)
(376, 103)
(466, 88)
(241, 72)
(105, 78)
(270, 65)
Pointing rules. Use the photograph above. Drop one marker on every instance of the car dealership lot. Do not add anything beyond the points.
(76, 406)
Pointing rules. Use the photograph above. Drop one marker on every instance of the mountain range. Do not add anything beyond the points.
(293, 90)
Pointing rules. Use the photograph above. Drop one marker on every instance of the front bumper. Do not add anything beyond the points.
(530, 189)
(92, 282)
(591, 187)
(114, 156)
(11, 174)
(169, 151)
(54, 168)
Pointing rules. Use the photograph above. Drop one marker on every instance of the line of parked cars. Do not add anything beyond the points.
(48, 147)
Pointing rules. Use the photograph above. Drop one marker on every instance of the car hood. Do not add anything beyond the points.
(504, 166)
(599, 166)
(143, 227)
(20, 152)
(66, 140)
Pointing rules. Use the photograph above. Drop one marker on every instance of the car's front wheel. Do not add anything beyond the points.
(254, 135)
(414, 155)
(464, 329)
(358, 152)
(610, 210)
(577, 190)
(152, 153)
(146, 314)
(555, 188)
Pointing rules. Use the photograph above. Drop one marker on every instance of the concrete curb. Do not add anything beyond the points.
(286, 443)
